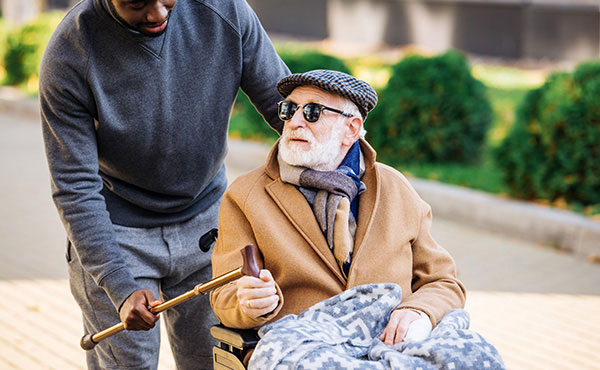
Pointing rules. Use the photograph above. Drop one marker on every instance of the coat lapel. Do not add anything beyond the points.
(297, 210)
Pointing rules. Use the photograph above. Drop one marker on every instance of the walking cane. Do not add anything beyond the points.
(249, 268)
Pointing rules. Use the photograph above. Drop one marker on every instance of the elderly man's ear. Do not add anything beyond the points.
(354, 125)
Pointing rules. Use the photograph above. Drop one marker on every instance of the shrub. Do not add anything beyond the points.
(248, 123)
(25, 46)
(432, 110)
(553, 150)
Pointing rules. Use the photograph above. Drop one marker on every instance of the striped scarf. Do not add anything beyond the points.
(332, 196)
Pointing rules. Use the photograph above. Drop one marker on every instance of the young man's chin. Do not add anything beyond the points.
(153, 31)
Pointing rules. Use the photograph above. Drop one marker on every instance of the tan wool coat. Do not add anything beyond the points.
(393, 244)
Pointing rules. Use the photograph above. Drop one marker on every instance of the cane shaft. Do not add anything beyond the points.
(219, 281)
(108, 332)
(173, 302)
(200, 289)
(248, 268)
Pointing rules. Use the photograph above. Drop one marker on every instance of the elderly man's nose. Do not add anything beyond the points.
(157, 13)
(297, 119)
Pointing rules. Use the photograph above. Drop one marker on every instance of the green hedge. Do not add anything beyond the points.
(431, 111)
(25, 46)
(553, 149)
(246, 121)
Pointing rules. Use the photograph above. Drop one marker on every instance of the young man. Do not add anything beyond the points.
(135, 99)
(325, 217)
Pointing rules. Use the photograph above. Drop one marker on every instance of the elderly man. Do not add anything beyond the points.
(326, 217)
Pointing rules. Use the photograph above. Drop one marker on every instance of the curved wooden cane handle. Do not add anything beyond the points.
(249, 266)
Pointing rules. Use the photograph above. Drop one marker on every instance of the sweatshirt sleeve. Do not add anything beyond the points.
(234, 233)
(262, 67)
(436, 289)
(69, 135)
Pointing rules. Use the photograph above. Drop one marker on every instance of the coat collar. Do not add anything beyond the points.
(295, 207)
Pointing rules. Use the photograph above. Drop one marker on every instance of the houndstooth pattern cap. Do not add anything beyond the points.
(358, 91)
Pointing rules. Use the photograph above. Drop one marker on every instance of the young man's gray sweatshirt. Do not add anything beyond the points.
(135, 127)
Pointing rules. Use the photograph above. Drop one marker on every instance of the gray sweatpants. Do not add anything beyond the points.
(168, 261)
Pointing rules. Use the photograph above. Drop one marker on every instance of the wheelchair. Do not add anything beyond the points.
(233, 346)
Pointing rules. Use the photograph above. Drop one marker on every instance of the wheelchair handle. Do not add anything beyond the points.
(249, 267)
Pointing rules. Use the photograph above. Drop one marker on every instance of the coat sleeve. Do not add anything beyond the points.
(435, 287)
(235, 232)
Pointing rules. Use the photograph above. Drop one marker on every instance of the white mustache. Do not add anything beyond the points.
(299, 133)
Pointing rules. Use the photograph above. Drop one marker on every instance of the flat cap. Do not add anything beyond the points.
(358, 91)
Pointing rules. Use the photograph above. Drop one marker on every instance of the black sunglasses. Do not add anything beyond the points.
(311, 111)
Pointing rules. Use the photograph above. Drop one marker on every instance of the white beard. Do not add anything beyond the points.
(321, 156)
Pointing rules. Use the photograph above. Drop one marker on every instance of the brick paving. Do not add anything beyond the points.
(539, 307)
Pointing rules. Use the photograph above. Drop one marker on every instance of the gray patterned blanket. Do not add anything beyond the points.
(343, 333)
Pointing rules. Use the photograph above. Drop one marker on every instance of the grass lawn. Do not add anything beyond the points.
(484, 176)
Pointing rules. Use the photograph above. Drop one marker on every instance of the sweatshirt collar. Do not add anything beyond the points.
(153, 44)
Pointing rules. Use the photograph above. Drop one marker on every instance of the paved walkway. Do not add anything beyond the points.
(539, 307)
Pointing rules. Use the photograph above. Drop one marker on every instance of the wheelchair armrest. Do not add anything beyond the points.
(235, 346)
(241, 339)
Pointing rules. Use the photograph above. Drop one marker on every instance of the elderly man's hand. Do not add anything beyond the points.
(397, 327)
(257, 296)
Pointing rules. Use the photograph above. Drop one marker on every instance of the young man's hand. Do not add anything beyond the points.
(257, 296)
(135, 313)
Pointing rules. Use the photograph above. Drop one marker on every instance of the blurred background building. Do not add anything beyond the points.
(21, 11)
(537, 29)
(531, 29)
